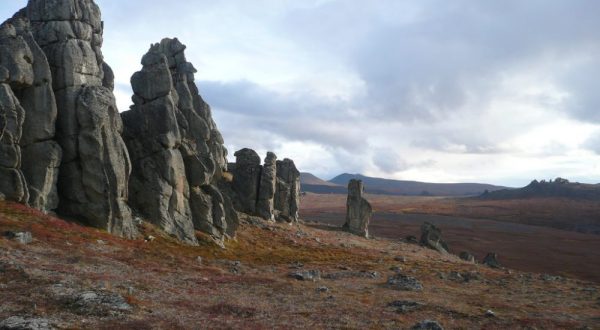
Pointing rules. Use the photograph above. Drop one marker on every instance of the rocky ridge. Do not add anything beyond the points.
(65, 148)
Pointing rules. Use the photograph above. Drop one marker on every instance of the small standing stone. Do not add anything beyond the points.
(358, 210)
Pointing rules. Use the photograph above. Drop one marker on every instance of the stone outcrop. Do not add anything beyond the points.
(246, 179)
(431, 237)
(177, 152)
(29, 112)
(270, 191)
(287, 194)
(265, 204)
(94, 171)
(358, 210)
(64, 146)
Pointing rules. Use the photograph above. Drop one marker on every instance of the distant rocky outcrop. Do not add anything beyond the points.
(431, 237)
(358, 210)
(270, 191)
(177, 152)
(559, 187)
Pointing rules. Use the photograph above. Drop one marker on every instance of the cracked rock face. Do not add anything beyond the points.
(27, 89)
(358, 210)
(95, 167)
(177, 152)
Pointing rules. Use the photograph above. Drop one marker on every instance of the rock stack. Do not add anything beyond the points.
(177, 152)
(358, 210)
(270, 191)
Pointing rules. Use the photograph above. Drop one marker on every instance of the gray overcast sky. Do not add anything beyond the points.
(432, 90)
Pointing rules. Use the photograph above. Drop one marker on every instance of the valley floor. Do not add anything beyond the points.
(80, 278)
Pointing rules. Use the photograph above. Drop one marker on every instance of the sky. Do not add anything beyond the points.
(500, 92)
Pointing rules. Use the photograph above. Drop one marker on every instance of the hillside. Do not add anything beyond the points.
(310, 179)
(561, 188)
(415, 188)
(78, 277)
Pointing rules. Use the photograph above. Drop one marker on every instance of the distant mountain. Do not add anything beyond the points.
(557, 188)
(310, 179)
(415, 188)
(311, 183)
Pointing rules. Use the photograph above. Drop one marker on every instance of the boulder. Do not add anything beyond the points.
(287, 191)
(431, 237)
(23, 323)
(266, 191)
(404, 283)
(358, 210)
(427, 325)
(491, 260)
(466, 256)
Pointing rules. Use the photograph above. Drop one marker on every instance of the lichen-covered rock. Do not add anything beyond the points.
(287, 194)
(246, 179)
(177, 152)
(431, 237)
(266, 191)
(358, 210)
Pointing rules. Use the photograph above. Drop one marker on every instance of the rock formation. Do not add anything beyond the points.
(30, 165)
(177, 152)
(270, 191)
(61, 147)
(246, 179)
(431, 237)
(94, 171)
(265, 205)
(287, 194)
(358, 210)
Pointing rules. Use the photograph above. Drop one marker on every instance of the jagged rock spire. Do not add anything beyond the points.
(177, 152)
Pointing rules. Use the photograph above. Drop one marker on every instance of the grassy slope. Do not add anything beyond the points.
(169, 288)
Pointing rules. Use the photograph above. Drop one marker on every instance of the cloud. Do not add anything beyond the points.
(429, 90)
(593, 143)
